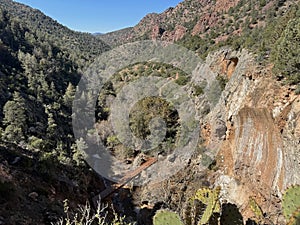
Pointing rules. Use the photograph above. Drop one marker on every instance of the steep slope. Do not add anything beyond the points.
(84, 45)
(40, 64)
(216, 20)
(255, 152)
(33, 188)
(252, 123)
(251, 133)
(254, 126)
(170, 25)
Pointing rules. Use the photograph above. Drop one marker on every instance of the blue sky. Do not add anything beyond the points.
(99, 15)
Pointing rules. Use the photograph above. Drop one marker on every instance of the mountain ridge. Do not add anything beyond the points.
(41, 63)
(62, 36)
(200, 18)
(248, 112)
(184, 12)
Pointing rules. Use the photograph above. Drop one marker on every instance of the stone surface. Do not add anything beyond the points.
(253, 132)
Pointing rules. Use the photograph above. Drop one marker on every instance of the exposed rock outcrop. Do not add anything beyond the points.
(252, 132)
(197, 16)
(260, 154)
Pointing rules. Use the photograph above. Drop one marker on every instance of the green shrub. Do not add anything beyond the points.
(182, 80)
(35, 143)
(222, 82)
(112, 141)
(198, 90)
(152, 107)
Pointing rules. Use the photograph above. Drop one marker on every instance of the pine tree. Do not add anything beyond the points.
(52, 125)
(15, 119)
(286, 56)
(69, 95)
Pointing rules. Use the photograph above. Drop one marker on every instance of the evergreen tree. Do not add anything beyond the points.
(51, 125)
(286, 56)
(15, 119)
(69, 95)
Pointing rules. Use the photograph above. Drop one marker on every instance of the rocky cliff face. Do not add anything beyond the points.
(196, 16)
(252, 128)
(253, 134)
(258, 150)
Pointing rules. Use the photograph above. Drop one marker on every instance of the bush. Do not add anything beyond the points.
(85, 216)
(222, 82)
(35, 143)
(182, 80)
(198, 90)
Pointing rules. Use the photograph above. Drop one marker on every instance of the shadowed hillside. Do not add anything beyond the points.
(245, 93)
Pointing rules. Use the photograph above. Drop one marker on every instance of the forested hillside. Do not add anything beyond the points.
(204, 26)
(249, 113)
(80, 46)
(39, 71)
(41, 63)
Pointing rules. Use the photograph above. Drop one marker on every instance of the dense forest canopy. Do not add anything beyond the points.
(41, 64)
